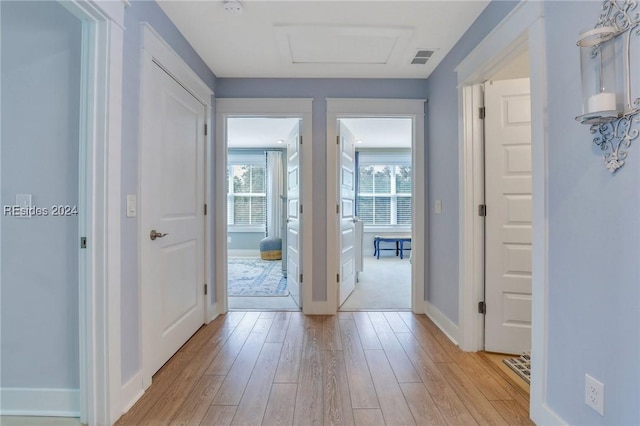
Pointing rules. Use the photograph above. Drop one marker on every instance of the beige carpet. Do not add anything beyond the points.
(384, 283)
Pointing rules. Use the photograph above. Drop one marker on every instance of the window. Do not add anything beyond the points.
(384, 190)
(247, 198)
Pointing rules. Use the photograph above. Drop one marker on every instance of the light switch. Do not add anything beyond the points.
(132, 205)
(438, 206)
(24, 202)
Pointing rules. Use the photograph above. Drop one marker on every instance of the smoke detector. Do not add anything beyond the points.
(232, 7)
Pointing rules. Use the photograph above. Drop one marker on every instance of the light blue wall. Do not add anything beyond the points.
(140, 11)
(40, 139)
(442, 142)
(319, 89)
(594, 243)
(593, 224)
(245, 241)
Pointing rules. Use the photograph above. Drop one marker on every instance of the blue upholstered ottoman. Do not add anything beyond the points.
(271, 248)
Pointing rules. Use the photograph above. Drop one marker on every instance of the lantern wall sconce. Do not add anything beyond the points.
(605, 66)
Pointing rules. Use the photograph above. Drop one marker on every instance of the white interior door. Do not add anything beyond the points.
(293, 242)
(347, 180)
(172, 191)
(508, 220)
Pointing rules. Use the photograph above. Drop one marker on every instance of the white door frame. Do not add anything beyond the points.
(101, 132)
(156, 52)
(300, 108)
(366, 108)
(522, 29)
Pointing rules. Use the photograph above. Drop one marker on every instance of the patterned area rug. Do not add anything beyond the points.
(256, 277)
(521, 366)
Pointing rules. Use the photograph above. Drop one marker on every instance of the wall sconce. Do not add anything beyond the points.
(606, 80)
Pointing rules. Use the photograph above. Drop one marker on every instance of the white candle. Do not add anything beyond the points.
(602, 102)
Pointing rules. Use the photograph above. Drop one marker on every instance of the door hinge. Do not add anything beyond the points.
(338, 140)
(205, 209)
(482, 112)
(83, 242)
(300, 139)
(337, 278)
(300, 208)
(482, 308)
(206, 129)
(205, 289)
(482, 210)
(299, 281)
(337, 208)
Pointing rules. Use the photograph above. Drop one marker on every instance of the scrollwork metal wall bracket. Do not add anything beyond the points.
(615, 137)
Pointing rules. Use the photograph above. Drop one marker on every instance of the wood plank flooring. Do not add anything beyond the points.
(360, 368)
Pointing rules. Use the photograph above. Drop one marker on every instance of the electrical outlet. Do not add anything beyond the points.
(594, 394)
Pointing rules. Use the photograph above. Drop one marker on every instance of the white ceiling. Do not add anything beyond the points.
(380, 132)
(322, 38)
(266, 132)
(258, 132)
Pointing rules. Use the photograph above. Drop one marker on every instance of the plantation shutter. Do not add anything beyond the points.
(247, 200)
(384, 187)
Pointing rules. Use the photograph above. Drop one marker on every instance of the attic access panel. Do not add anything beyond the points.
(331, 44)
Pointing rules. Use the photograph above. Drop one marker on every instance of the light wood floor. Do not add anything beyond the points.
(362, 368)
(497, 360)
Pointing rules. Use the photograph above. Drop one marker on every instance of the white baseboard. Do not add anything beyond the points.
(243, 253)
(131, 392)
(442, 321)
(543, 415)
(40, 402)
(213, 312)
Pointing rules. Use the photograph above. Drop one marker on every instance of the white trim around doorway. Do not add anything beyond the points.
(262, 107)
(389, 108)
(522, 29)
(99, 297)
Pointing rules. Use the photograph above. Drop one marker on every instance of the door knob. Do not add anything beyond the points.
(155, 234)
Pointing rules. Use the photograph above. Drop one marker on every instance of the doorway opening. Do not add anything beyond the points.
(382, 191)
(522, 30)
(508, 221)
(341, 194)
(263, 256)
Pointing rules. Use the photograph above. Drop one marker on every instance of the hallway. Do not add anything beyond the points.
(355, 368)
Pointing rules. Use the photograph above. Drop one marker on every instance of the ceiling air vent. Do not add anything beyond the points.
(422, 56)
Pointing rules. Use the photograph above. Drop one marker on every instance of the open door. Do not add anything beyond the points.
(346, 210)
(293, 251)
(508, 221)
